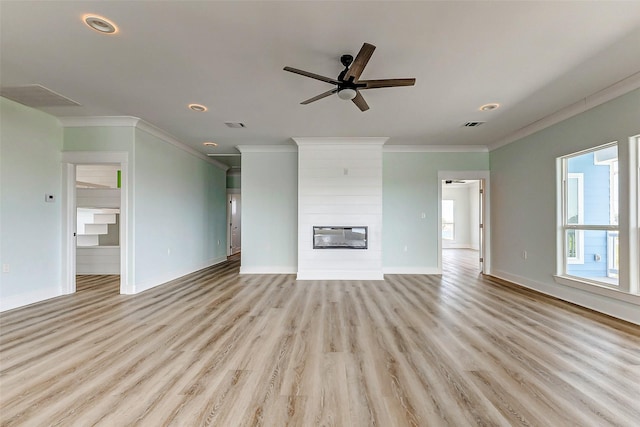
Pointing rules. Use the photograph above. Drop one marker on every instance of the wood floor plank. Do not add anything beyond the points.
(216, 348)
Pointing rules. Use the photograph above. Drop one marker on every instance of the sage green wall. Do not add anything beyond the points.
(99, 138)
(233, 181)
(269, 212)
(30, 144)
(409, 188)
(180, 212)
(177, 203)
(523, 197)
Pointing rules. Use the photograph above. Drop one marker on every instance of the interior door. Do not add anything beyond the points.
(235, 228)
(481, 226)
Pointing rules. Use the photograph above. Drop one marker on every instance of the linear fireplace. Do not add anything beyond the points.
(325, 237)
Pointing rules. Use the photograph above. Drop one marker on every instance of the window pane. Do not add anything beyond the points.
(599, 171)
(599, 258)
(447, 211)
(447, 231)
(447, 220)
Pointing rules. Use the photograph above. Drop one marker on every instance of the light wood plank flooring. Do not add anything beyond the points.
(216, 348)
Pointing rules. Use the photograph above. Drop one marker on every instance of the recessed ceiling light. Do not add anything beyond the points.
(197, 107)
(489, 107)
(210, 144)
(100, 24)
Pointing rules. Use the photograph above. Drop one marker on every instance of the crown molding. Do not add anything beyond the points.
(166, 137)
(94, 121)
(267, 148)
(435, 149)
(130, 121)
(363, 141)
(620, 88)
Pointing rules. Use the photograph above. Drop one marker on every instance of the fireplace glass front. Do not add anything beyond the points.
(339, 237)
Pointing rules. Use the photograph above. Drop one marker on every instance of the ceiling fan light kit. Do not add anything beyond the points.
(348, 85)
(347, 94)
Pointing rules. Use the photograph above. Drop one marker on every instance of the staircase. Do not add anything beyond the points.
(91, 223)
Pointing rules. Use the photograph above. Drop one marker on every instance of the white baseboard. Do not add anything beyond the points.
(412, 270)
(161, 280)
(610, 306)
(268, 270)
(340, 275)
(20, 300)
(456, 246)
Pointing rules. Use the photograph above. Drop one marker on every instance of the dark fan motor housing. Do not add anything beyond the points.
(349, 78)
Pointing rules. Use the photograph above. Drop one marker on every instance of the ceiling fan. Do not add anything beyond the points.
(348, 85)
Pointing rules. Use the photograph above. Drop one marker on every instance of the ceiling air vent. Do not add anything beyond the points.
(36, 96)
(235, 125)
(472, 124)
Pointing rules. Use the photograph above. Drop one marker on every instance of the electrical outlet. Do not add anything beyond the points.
(168, 251)
(405, 248)
(5, 268)
(524, 254)
(49, 198)
(423, 215)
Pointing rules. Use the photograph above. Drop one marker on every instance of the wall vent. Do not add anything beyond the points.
(235, 125)
(36, 96)
(472, 124)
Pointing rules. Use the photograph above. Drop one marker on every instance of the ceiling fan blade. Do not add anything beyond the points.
(360, 102)
(322, 95)
(312, 75)
(360, 62)
(375, 84)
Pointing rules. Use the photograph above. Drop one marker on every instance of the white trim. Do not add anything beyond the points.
(435, 149)
(166, 137)
(22, 299)
(95, 121)
(412, 270)
(579, 232)
(597, 288)
(339, 275)
(341, 141)
(267, 148)
(616, 304)
(486, 215)
(268, 270)
(165, 278)
(68, 283)
(130, 121)
(620, 88)
(127, 266)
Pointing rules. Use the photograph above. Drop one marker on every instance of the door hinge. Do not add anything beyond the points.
(481, 259)
(481, 191)
(481, 225)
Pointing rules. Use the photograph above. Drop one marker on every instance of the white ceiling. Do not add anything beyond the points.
(534, 58)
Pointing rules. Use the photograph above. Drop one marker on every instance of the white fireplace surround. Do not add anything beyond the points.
(339, 184)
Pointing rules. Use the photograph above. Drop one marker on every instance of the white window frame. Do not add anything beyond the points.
(579, 258)
(564, 226)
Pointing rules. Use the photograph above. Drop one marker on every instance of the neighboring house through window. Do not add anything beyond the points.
(590, 215)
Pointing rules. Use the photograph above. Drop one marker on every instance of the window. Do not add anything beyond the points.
(575, 215)
(448, 223)
(590, 215)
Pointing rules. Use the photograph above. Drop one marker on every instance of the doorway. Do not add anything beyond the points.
(234, 215)
(463, 220)
(88, 214)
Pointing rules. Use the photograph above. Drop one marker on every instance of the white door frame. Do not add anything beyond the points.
(230, 193)
(485, 237)
(69, 161)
